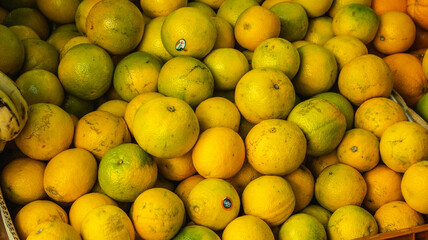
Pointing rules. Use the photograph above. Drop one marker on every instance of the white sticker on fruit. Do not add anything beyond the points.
(180, 45)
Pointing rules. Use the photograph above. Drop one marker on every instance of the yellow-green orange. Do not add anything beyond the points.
(342, 103)
(12, 49)
(293, 18)
(247, 227)
(302, 226)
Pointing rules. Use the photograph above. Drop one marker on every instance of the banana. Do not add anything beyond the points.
(9, 119)
(9, 87)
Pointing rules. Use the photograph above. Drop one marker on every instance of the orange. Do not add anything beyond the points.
(36, 212)
(49, 130)
(302, 226)
(320, 30)
(13, 52)
(265, 143)
(230, 10)
(339, 185)
(162, 182)
(203, 7)
(40, 55)
(418, 9)
(24, 32)
(152, 41)
(61, 35)
(320, 213)
(99, 224)
(61, 12)
(359, 148)
(342, 103)
(73, 42)
(419, 54)
(184, 188)
(356, 20)
(425, 64)
(365, 77)
(409, 79)
(82, 12)
(377, 114)
(218, 112)
(134, 104)
(119, 31)
(51, 230)
(138, 72)
(160, 8)
(277, 53)
(186, 78)
(116, 107)
(213, 203)
(100, 131)
(69, 175)
(422, 107)
(270, 3)
(215, 4)
(309, 82)
(338, 4)
(30, 17)
(397, 215)
(317, 164)
(322, 122)
(247, 227)
(225, 35)
(414, 186)
(77, 106)
(195, 231)
(188, 32)
(382, 6)
(302, 182)
(345, 48)
(227, 66)
(396, 33)
(264, 93)
(351, 222)
(245, 175)
(403, 144)
(22, 180)
(83, 77)
(166, 127)
(315, 8)
(255, 25)
(84, 204)
(218, 153)
(383, 186)
(176, 169)
(293, 18)
(270, 198)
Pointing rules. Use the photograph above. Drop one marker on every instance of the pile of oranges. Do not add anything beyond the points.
(216, 119)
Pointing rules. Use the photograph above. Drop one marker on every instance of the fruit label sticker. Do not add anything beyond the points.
(180, 45)
(227, 203)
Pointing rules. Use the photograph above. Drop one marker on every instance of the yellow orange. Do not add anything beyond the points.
(414, 186)
(397, 215)
(218, 112)
(176, 169)
(302, 182)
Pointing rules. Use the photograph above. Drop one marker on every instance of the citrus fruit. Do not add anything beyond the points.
(383, 186)
(359, 148)
(157, 213)
(340, 185)
(61, 12)
(138, 72)
(166, 127)
(302, 182)
(425, 64)
(125, 171)
(203, 7)
(356, 20)
(422, 107)
(345, 48)
(176, 169)
(396, 33)
(218, 112)
(418, 11)
(22, 180)
(320, 30)
(265, 143)
(49, 130)
(40, 55)
(383, 6)
(36, 212)
(13, 51)
(302, 226)
(84, 204)
(409, 79)
(188, 32)
(81, 14)
(230, 10)
(119, 31)
(322, 122)
(270, 3)
(264, 93)
(397, 215)
(100, 131)
(184, 188)
(61, 35)
(86, 71)
(161, 8)
(213, 203)
(31, 17)
(277, 53)
(247, 227)
(349, 222)
(40, 86)
(245, 175)
(71, 43)
(99, 224)
(320, 213)
(51, 230)
(308, 82)
(225, 34)
(215, 4)
(77, 106)
(414, 186)
(342, 103)
(186, 78)
(317, 164)
(293, 18)
(116, 107)
(23, 32)
(227, 66)
(196, 232)
(403, 144)
(338, 4)
(315, 8)
(365, 77)
(255, 25)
